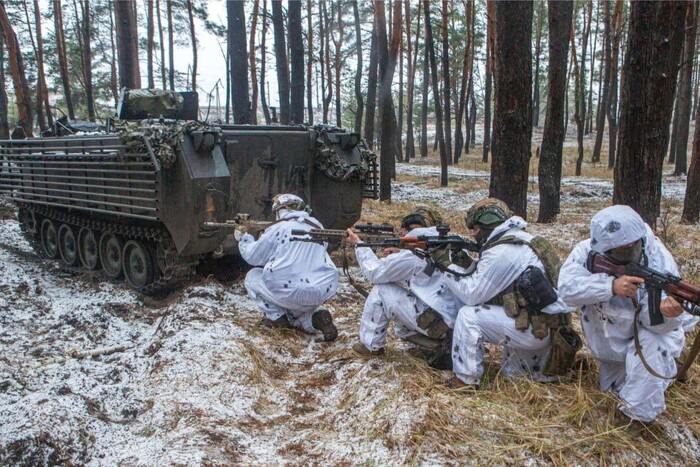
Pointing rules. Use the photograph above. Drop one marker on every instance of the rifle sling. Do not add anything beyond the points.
(692, 354)
(346, 271)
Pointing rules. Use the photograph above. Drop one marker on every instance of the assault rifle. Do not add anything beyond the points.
(428, 243)
(684, 292)
(241, 222)
(368, 232)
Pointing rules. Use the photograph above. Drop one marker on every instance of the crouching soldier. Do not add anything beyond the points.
(510, 301)
(608, 306)
(296, 278)
(409, 292)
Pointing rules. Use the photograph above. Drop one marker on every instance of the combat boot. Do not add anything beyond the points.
(323, 321)
(360, 349)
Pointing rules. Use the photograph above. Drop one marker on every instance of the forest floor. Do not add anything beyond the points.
(195, 379)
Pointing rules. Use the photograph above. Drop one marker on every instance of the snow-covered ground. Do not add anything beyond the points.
(92, 373)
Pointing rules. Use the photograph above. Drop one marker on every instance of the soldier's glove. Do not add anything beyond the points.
(441, 256)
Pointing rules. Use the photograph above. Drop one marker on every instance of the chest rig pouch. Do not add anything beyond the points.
(532, 291)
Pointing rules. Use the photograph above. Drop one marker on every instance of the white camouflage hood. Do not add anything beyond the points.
(616, 226)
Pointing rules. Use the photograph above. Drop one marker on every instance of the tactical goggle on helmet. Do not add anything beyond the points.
(288, 201)
(487, 212)
(423, 216)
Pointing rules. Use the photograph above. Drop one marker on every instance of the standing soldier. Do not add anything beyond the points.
(608, 307)
(408, 293)
(296, 278)
(509, 299)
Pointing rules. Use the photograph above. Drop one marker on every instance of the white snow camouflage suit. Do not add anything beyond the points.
(608, 320)
(497, 268)
(295, 277)
(402, 291)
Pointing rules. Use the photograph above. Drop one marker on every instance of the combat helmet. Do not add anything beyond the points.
(421, 215)
(288, 201)
(488, 213)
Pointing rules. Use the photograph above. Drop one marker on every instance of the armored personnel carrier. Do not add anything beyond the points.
(155, 192)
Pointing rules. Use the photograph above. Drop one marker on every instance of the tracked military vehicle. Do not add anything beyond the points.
(152, 195)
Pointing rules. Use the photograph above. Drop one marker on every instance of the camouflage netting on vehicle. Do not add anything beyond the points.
(153, 103)
(164, 138)
(335, 167)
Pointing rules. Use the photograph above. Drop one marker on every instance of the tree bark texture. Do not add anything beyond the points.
(490, 45)
(127, 44)
(447, 102)
(338, 61)
(193, 43)
(163, 76)
(171, 45)
(239, 62)
(4, 124)
(550, 166)
(685, 91)
(63, 57)
(648, 85)
(372, 87)
(19, 79)
(253, 64)
(604, 102)
(580, 83)
(309, 65)
(150, 43)
(296, 55)
(617, 25)
(87, 60)
(512, 121)
(538, 51)
(43, 94)
(424, 95)
(263, 65)
(412, 65)
(439, 129)
(691, 204)
(281, 60)
(359, 97)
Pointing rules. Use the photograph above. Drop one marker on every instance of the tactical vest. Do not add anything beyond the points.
(516, 306)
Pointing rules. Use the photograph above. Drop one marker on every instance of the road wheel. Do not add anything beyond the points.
(49, 239)
(88, 249)
(67, 245)
(139, 267)
(111, 247)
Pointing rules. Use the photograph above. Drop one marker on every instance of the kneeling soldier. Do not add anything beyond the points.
(409, 292)
(510, 300)
(608, 306)
(296, 278)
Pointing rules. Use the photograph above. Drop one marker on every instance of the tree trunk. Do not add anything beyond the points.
(150, 43)
(42, 88)
(327, 89)
(193, 41)
(359, 71)
(538, 51)
(338, 62)
(62, 56)
(691, 204)
(281, 61)
(654, 47)
(589, 107)
(163, 75)
(440, 135)
(113, 78)
(512, 121)
(446, 86)
(87, 61)
(604, 103)
(463, 88)
(371, 87)
(685, 90)
(580, 83)
(490, 45)
(424, 108)
(4, 124)
(263, 65)
(412, 65)
(19, 79)
(399, 131)
(127, 44)
(239, 62)
(309, 66)
(617, 25)
(252, 63)
(386, 59)
(296, 48)
(171, 45)
(549, 170)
